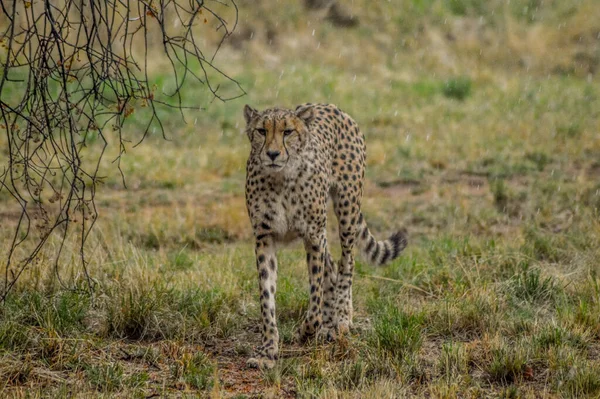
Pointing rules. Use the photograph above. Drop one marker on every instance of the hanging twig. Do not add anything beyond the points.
(73, 70)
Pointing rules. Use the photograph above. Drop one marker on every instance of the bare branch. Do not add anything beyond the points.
(73, 70)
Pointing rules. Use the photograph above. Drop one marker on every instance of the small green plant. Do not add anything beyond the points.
(507, 364)
(461, 319)
(397, 333)
(288, 330)
(571, 130)
(458, 7)
(212, 235)
(105, 377)
(13, 335)
(539, 159)
(310, 380)
(137, 380)
(287, 367)
(591, 197)
(133, 314)
(292, 301)
(198, 372)
(458, 88)
(588, 315)
(583, 381)
(510, 392)
(159, 312)
(541, 245)
(530, 286)
(500, 192)
(453, 361)
(352, 375)
(556, 336)
(63, 312)
(181, 260)
(464, 7)
(150, 240)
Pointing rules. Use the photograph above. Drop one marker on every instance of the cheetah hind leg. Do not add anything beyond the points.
(327, 330)
(316, 259)
(330, 320)
(343, 292)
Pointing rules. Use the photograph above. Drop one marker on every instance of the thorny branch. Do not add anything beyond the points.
(71, 72)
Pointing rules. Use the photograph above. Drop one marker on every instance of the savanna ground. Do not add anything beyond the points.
(481, 120)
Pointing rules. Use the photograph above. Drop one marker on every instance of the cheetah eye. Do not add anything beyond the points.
(287, 132)
(262, 132)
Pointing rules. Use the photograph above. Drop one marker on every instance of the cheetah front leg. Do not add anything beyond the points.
(316, 248)
(266, 263)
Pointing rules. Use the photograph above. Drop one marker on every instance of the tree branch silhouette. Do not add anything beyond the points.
(77, 69)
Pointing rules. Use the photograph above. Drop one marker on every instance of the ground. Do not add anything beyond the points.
(481, 121)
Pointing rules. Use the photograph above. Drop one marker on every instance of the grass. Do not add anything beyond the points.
(507, 364)
(458, 88)
(481, 121)
(396, 333)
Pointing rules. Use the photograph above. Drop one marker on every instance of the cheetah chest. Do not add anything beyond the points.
(289, 216)
(293, 209)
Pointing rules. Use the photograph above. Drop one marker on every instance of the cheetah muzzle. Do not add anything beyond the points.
(298, 160)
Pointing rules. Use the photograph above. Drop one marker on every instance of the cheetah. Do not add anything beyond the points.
(298, 160)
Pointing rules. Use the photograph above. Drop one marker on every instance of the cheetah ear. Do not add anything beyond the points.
(249, 113)
(305, 112)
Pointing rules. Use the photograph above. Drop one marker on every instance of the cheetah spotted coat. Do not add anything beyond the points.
(298, 160)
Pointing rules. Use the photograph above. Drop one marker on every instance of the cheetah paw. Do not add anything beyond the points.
(262, 363)
(326, 335)
(344, 327)
(302, 336)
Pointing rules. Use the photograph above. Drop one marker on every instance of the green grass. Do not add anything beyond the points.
(105, 378)
(528, 285)
(453, 361)
(197, 372)
(458, 88)
(481, 127)
(395, 333)
(508, 363)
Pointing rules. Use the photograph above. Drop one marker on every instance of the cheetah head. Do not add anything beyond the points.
(278, 136)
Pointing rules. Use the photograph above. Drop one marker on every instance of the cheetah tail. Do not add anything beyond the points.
(376, 252)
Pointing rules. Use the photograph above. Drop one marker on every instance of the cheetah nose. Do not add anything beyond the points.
(273, 154)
